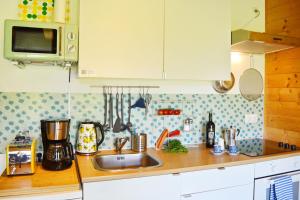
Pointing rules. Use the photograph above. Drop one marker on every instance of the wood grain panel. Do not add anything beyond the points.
(282, 135)
(42, 182)
(289, 54)
(291, 109)
(198, 158)
(283, 81)
(284, 122)
(282, 66)
(283, 95)
(282, 88)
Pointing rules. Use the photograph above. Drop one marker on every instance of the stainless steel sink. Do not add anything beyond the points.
(125, 161)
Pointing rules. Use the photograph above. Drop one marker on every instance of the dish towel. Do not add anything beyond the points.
(281, 188)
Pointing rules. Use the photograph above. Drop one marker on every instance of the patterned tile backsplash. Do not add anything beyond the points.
(23, 111)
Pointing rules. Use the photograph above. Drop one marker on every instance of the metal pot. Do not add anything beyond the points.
(225, 85)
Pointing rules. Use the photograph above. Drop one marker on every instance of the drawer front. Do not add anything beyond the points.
(145, 188)
(200, 181)
(244, 192)
(277, 166)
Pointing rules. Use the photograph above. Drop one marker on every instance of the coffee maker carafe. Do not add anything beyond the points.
(230, 135)
(58, 151)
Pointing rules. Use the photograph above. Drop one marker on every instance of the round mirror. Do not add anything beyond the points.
(251, 84)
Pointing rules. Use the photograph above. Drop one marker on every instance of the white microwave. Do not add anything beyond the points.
(28, 41)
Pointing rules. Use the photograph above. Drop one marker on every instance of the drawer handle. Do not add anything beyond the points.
(187, 195)
(221, 168)
(176, 174)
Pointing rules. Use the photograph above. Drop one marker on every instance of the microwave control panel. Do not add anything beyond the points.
(71, 43)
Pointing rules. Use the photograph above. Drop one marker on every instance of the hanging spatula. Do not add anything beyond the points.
(117, 125)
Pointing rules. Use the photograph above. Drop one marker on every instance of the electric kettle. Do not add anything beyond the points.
(230, 135)
(90, 136)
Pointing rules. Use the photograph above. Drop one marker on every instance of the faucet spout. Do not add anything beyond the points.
(120, 142)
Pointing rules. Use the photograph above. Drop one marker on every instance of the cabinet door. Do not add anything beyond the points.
(213, 179)
(244, 192)
(147, 188)
(121, 39)
(197, 39)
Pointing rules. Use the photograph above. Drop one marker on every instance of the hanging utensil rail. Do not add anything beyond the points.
(119, 86)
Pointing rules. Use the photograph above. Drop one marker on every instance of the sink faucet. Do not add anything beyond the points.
(120, 142)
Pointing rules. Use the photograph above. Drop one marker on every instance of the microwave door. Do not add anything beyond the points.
(34, 40)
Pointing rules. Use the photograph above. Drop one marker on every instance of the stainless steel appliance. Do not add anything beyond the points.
(230, 136)
(90, 136)
(255, 42)
(58, 151)
(20, 156)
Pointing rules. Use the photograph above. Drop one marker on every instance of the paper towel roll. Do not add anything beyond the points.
(59, 11)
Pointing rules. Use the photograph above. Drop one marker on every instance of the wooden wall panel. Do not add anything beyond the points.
(282, 88)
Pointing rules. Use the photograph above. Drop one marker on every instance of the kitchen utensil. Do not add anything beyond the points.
(123, 125)
(160, 141)
(90, 137)
(251, 84)
(111, 110)
(224, 86)
(117, 125)
(20, 156)
(174, 133)
(57, 149)
(105, 124)
(139, 142)
(230, 136)
(129, 124)
(140, 103)
(148, 99)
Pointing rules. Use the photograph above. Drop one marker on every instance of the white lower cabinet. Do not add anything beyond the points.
(164, 187)
(243, 192)
(213, 179)
(232, 183)
(226, 183)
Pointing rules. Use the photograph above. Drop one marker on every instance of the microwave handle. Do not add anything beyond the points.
(60, 41)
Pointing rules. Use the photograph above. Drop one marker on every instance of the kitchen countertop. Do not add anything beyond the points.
(45, 182)
(198, 158)
(42, 182)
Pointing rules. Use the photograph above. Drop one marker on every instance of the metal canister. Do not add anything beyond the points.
(139, 142)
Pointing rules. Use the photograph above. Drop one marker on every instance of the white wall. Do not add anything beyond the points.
(55, 79)
(242, 13)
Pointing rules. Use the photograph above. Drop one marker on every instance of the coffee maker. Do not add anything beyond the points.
(58, 151)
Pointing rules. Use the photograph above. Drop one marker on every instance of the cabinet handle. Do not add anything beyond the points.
(175, 174)
(221, 168)
(187, 195)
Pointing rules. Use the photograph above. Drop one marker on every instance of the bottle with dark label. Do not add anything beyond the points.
(210, 132)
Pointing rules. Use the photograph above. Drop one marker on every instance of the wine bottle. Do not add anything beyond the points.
(210, 132)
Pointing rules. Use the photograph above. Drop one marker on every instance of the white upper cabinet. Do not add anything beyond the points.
(197, 39)
(185, 39)
(121, 38)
